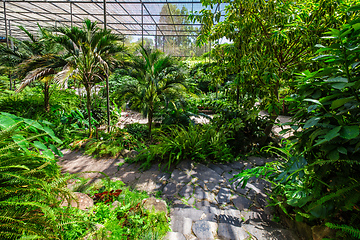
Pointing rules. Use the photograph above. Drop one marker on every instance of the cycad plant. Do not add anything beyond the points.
(92, 52)
(157, 80)
(30, 182)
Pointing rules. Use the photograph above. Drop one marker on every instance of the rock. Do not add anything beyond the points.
(163, 177)
(190, 212)
(231, 232)
(115, 204)
(262, 231)
(185, 166)
(241, 202)
(181, 224)
(211, 213)
(200, 194)
(174, 236)
(227, 176)
(171, 189)
(81, 201)
(206, 174)
(216, 168)
(321, 232)
(236, 165)
(180, 177)
(223, 196)
(204, 229)
(129, 153)
(212, 186)
(186, 191)
(155, 204)
(257, 161)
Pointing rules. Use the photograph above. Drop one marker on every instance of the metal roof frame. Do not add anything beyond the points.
(133, 17)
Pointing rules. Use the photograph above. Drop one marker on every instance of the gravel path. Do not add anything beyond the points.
(204, 203)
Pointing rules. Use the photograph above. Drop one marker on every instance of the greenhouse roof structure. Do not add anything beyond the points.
(140, 18)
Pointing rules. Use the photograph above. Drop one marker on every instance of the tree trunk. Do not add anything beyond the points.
(46, 97)
(150, 118)
(88, 106)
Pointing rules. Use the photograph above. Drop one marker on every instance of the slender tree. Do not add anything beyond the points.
(92, 52)
(157, 80)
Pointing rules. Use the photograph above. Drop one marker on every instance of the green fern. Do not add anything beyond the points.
(348, 229)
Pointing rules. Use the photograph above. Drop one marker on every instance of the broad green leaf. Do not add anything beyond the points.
(337, 79)
(340, 102)
(40, 145)
(320, 142)
(33, 123)
(312, 100)
(333, 133)
(349, 132)
(311, 122)
(338, 85)
(356, 26)
(48, 153)
(21, 141)
(56, 151)
(342, 150)
(312, 107)
(321, 57)
(6, 122)
(51, 133)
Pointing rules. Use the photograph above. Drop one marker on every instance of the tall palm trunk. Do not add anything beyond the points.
(46, 96)
(150, 119)
(88, 105)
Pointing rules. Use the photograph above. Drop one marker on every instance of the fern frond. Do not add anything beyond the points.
(349, 229)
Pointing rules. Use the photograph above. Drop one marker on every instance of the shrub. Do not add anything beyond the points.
(197, 143)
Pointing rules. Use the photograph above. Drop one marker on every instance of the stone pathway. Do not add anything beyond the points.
(204, 204)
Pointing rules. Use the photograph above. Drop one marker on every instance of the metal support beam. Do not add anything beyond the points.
(142, 23)
(71, 14)
(107, 80)
(6, 27)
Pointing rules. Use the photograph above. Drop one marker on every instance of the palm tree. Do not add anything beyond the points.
(158, 79)
(35, 59)
(92, 52)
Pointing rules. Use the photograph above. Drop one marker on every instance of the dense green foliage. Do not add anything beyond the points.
(300, 58)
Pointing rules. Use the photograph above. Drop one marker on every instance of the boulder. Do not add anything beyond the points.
(155, 204)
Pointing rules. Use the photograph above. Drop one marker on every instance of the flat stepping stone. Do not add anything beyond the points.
(216, 168)
(191, 213)
(185, 166)
(180, 177)
(241, 202)
(181, 224)
(200, 194)
(186, 191)
(171, 189)
(261, 231)
(211, 213)
(213, 186)
(230, 216)
(223, 196)
(231, 232)
(236, 165)
(206, 174)
(204, 230)
(174, 236)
